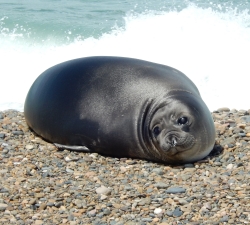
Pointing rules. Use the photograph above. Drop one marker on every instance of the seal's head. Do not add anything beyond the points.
(181, 129)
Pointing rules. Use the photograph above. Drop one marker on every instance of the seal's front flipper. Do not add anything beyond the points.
(73, 147)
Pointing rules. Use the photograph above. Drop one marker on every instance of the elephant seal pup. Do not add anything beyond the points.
(121, 107)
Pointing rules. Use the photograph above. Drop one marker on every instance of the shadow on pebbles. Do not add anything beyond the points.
(42, 185)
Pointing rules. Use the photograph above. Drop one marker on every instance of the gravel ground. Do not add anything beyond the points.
(42, 185)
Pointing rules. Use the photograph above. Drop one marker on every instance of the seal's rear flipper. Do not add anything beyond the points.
(73, 147)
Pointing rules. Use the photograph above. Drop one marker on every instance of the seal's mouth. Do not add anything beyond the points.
(173, 143)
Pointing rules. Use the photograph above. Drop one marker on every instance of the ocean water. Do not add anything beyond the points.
(209, 41)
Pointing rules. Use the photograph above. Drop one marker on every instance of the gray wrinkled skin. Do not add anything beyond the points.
(121, 107)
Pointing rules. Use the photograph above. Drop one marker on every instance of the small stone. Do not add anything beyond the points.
(149, 190)
(144, 201)
(103, 197)
(39, 195)
(93, 155)
(38, 222)
(223, 109)
(117, 206)
(243, 112)
(77, 214)
(5, 151)
(42, 206)
(71, 217)
(169, 213)
(177, 212)
(123, 169)
(241, 125)
(245, 119)
(32, 201)
(50, 204)
(146, 219)
(58, 204)
(183, 201)
(106, 211)
(68, 170)
(174, 190)
(92, 213)
(29, 147)
(3, 171)
(3, 206)
(4, 190)
(67, 159)
(71, 158)
(21, 179)
(189, 165)
(47, 189)
(103, 190)
(18, 132)
(158, 211)
(158, 171)
(161, 185)
(227, 141)
(207, 205)
(224, 219)
(242, 134)
(230, 166)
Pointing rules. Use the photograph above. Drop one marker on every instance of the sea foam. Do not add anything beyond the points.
(210, 47)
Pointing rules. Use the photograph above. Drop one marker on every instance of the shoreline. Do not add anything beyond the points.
(42, 185)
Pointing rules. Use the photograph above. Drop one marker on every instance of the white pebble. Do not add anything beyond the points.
(123, 169)
(4, 144)
(103, 190)
(103, 197)
(158, 211)
(29, 147)
(67, 159)
(230, 166)
(93, 155)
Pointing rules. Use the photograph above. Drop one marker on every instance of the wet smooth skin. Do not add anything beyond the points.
(121, 107)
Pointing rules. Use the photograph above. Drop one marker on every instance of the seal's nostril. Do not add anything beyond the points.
(174, 142)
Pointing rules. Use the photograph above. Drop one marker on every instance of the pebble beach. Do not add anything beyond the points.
(40, 184)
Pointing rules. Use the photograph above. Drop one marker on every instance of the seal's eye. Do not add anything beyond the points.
(182, 121)
(156, 131)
